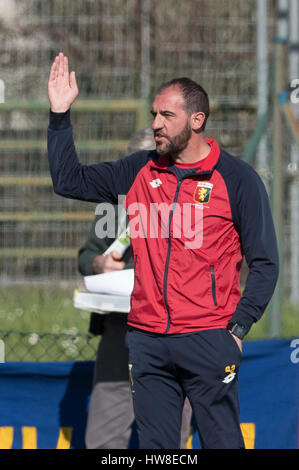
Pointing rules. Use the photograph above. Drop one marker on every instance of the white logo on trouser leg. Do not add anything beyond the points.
(231, 374)
(229, 378)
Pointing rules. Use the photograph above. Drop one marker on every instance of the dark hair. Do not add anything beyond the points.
(195, 97)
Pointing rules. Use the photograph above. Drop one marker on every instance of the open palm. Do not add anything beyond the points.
(62, 85)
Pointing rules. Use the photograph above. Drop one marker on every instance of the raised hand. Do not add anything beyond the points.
(62, 85)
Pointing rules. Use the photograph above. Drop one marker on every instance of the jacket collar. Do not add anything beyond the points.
(163, 162)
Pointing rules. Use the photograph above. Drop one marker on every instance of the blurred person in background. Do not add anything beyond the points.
(111, 415)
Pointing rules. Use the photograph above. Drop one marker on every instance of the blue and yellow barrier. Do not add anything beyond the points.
(45, 405)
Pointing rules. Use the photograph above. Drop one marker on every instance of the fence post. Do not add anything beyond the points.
(278, 178)
(2, 351)
(2, 91)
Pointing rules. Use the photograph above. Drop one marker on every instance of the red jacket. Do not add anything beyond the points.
(183, 282)
(180, 289)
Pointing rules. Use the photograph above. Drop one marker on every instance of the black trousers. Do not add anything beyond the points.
(202, 366)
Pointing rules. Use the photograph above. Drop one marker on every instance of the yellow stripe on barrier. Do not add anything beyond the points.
(29, 435)
(64, 438)
(248, 431)
(189, 441)
(6, 437)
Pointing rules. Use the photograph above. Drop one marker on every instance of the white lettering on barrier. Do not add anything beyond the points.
(295, 354)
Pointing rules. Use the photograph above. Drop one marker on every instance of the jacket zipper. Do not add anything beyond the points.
(212, 270)
(168, 254)
(203, 173)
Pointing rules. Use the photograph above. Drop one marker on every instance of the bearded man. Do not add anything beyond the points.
(195, 211)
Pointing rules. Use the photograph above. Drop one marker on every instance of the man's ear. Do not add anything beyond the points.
(197, 120)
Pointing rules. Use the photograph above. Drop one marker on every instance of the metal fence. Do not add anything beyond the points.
(120, 50)
(17, 346)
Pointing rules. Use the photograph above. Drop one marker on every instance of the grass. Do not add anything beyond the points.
(289, 324)
(41, 309)
(42, 324)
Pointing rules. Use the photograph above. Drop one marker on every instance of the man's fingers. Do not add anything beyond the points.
(114, 266)
(113, 262)
(116, 255)
(62, 86)
(60, 68)
(53, 71)
(52, 76)
(61, 65)
(73, 81)
(66, 67)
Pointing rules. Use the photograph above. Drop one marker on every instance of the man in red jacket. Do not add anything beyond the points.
(194, 212)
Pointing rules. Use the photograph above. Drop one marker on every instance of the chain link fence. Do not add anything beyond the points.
(47, 347)
(121, 50)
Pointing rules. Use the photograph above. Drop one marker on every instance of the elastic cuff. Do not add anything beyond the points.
(60, 121)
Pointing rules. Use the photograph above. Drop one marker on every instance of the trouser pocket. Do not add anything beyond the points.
(233, 345)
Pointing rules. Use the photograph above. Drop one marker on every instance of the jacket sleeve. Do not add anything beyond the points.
(253, 219)
(102, 182)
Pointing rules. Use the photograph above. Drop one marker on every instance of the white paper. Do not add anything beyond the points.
(114, 283)
(101, 303)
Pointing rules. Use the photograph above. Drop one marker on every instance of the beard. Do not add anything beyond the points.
(176, 144)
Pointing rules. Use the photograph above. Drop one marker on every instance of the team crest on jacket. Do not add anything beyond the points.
(203, 192)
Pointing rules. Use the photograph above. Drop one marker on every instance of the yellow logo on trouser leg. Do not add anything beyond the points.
(231, 371)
